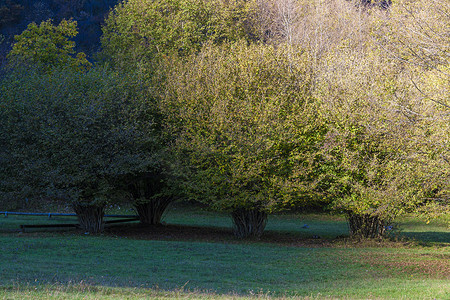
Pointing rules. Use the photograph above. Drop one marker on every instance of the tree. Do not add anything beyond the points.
(367, 165)
(138, 33)
(151, 191)
(48, 46)
(375, 169)
(74, 136)
(243, 121)
(416, 36)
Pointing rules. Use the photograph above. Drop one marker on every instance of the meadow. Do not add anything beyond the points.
(194, 255)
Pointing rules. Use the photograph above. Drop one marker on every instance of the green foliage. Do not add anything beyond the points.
(418, 36)
(375, 170)
(48, 46)
(70, 135)
(244, 123)
(140, 32)
(382, 82)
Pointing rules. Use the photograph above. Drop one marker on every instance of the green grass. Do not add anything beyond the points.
(66, 264)
(437, 231)
(396, 290)
(224, 268)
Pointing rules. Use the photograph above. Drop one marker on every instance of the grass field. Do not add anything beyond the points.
(195, 256)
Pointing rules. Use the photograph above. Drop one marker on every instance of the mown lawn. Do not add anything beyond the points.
(305, 263)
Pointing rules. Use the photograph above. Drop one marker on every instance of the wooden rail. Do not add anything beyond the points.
(48, 226)
(22, 227)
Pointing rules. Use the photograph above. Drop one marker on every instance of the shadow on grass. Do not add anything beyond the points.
(428, 237)
(319, 233)
(212, 234)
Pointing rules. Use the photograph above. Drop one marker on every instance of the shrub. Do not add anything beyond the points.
(244, 126)
(73, 135)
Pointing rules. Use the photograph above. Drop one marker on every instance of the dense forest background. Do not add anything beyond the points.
(15, 15)
(247, 106)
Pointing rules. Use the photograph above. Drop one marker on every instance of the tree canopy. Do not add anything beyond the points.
(244, 125)
(140, 32)
(48, 46)
(72, 135)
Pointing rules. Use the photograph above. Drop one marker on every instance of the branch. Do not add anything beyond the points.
(434, 100)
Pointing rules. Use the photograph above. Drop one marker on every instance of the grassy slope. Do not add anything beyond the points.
(64, 260)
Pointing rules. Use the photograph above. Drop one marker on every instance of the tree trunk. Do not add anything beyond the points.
(150, 213)
(248, 222)
(90, 217)
(366, 226)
